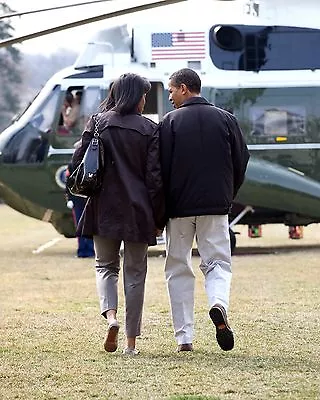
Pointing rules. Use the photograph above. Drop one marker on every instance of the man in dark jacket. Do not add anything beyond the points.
(204, 159)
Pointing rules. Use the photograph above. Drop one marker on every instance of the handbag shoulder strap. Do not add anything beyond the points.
(96, 118)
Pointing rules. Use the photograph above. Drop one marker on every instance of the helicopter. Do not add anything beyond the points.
(247, 66)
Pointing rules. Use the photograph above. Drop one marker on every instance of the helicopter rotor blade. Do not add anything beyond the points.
(18, 14)
(118, 13)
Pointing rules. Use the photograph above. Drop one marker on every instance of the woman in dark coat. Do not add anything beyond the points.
(130, 205)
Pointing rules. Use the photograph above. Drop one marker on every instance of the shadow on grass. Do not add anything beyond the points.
(223, 360)
(191, 397)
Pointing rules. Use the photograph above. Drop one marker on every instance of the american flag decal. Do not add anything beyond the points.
(178, 45)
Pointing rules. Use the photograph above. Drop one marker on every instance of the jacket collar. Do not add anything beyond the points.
(130, 121)
(195, 100)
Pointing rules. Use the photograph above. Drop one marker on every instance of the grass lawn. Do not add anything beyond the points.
(51, 332)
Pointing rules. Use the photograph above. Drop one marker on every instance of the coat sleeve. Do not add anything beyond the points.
(239, 152)
(85, 140)
(154, 180)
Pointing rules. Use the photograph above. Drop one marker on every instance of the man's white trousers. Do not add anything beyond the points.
(212, 236)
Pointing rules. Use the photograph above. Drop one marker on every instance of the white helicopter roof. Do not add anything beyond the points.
(119, 49)
(106, 47)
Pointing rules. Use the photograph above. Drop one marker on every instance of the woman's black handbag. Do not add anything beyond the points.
(86, 179)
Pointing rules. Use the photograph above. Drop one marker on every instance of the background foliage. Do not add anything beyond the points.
(22, 74)
(10, 77)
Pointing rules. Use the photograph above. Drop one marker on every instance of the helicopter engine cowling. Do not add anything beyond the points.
(272, 186)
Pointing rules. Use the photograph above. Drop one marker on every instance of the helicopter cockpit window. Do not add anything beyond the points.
(43, 119)
(258, 48)
(30, 143)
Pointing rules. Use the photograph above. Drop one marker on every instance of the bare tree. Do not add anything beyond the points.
(10, 77)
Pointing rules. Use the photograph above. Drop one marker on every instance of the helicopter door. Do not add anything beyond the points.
(154, 108)
(65, 133)
(77, 103)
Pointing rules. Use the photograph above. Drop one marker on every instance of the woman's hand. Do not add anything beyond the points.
(159, 232)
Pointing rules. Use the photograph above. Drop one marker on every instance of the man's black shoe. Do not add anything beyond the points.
(224, 333)
(185, 347)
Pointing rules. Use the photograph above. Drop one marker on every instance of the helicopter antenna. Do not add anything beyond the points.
(18, 14)
(118, 13)
(132, 46)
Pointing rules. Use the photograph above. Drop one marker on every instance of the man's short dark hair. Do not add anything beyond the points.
(187, 76)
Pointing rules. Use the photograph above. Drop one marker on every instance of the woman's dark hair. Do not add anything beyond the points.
(187, 76)
(126, 93)
(109, 102)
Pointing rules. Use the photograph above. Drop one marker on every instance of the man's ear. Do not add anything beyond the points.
(184, 88)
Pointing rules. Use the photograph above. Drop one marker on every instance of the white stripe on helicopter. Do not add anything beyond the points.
(306, 146)
(283, 146)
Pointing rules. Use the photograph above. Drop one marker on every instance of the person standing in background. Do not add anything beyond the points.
(72, 116)
(76, 204)
(204, 159)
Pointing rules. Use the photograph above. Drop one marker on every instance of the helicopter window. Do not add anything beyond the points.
(196, 65)
(255, 48)
(70, 112)
(206, 92)
(20, 114)
(92, 97)
(278, 121)
(43, 119)
(30, 143)
(78, 104)
(265, 114)
(26, 146)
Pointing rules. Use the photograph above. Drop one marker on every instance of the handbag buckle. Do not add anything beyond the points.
(94, 142)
